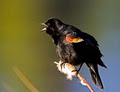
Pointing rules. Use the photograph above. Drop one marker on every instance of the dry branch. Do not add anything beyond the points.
(70, 71)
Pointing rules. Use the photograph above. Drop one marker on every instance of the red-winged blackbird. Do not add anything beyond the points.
(76, 47)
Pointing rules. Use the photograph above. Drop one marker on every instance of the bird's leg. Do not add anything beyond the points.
(80, 67)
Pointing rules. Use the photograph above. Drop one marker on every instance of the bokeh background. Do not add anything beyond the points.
(24, 49)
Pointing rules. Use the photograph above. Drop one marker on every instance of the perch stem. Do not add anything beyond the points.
(70, 71)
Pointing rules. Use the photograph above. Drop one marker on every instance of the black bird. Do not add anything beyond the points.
(76, 47)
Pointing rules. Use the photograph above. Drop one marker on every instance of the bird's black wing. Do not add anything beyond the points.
(73, 32)
(90, 40)
(89, 43)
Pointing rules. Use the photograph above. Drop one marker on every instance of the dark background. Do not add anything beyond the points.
(24, 46)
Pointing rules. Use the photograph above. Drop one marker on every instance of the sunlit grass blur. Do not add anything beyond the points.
(24, 46)
(24, 80)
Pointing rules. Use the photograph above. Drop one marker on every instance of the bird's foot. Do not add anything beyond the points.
(62, 65)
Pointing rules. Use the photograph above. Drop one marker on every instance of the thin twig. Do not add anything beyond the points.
(70, 71)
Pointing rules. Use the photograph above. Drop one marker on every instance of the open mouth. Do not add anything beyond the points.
(44, 29)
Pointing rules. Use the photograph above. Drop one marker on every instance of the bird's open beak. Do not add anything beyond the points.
(43, 24)
(44, 29)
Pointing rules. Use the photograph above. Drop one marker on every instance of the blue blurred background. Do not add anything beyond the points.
(33, 53)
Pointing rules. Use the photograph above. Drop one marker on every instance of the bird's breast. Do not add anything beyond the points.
(67, 53)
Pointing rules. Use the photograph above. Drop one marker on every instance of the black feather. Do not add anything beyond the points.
(95, 74)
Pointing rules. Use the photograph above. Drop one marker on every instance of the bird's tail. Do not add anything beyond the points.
(95, 75)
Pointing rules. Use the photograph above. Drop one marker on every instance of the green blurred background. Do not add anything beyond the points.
(23, 45)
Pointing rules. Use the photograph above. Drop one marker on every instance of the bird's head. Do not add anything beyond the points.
(53, 26)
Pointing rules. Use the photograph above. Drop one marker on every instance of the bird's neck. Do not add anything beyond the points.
(55, 39)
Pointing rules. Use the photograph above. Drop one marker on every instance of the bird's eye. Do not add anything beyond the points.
(48, 24)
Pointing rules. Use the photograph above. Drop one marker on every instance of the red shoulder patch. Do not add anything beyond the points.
(74, 40)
